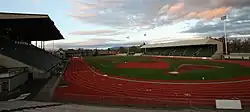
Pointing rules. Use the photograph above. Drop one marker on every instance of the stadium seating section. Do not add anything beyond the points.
(28, 54)
(192, 51)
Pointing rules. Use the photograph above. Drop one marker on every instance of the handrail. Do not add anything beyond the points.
(47, 70)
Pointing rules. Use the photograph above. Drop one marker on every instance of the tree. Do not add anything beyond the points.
(60, 49)
(234, 45)
(133, 49)
(109, 49)
(96, 52)
(245, 45)
(122, 50)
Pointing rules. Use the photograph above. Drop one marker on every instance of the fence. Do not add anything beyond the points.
(243, 56)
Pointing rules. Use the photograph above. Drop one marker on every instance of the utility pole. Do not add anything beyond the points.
(128, 46)
(224, 18)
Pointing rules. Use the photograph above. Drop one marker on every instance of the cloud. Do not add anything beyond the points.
(216, 3)
(84, 15)
(94, 32)
(127, 14)
(208, 14)
(93, 43)
(189, 10)
(120, 14)
(82, 6)
(131, 15)
(176, 8)
(112, 33)
(238, 23)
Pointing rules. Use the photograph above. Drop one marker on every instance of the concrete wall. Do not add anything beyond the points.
(17, 80)
(218, 54)
(220, 48)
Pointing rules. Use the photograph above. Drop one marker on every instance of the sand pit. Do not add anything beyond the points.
(153, 65)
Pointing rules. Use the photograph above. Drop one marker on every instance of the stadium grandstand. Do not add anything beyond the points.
(206, 47)
(20, 61)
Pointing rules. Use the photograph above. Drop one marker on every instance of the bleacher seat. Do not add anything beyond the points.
(179, 51)
(197, 51)
(28, 54)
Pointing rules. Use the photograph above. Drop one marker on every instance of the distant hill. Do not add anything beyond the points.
(115, 48)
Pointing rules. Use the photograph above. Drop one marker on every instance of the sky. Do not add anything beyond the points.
(107, 23)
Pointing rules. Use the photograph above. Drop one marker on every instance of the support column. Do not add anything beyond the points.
(41, 42)
(53, 46)
(44, 45)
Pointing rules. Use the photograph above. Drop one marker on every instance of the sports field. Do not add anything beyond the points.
(152, 68)
(121, 81)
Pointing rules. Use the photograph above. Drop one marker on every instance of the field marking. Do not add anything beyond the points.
(191, 83)
(183, 65)
(198, 65)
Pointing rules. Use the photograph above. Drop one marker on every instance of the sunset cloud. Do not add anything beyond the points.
(209, 14)
(139, 15)
(238, 23)
(176, 8)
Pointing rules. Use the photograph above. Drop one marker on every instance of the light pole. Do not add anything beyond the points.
(224, 18)
(144, 43)
(128, 45)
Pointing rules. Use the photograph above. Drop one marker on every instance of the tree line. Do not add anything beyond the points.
(236, 45)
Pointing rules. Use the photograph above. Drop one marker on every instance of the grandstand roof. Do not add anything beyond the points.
(32, 27)
(183, 43)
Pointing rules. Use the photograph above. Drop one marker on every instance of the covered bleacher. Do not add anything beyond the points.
(28, 54)
(206, 47)
(17, 31)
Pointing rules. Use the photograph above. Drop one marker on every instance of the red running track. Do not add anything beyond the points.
(88, 85)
